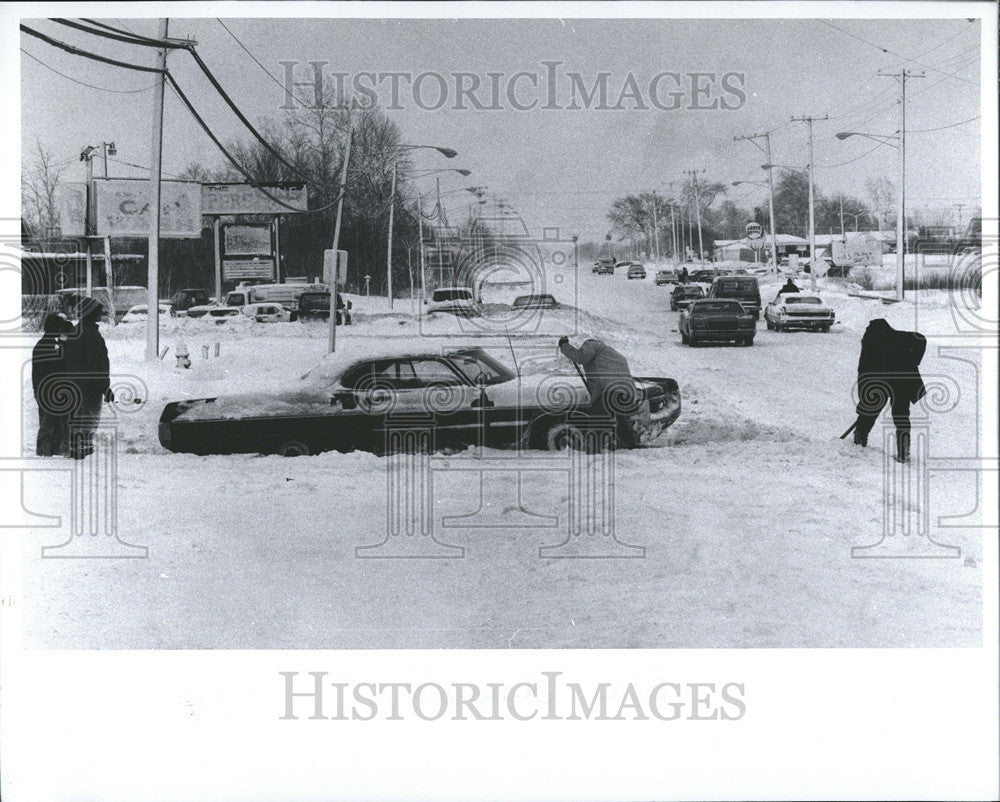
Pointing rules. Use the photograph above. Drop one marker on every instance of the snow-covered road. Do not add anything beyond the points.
(747, 511)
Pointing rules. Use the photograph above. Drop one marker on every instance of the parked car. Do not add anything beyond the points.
(286, 294)
(267, 313)
(183, 300)
(470, 396)
(666, 277)
(798, 310)
(636, 270)
(454, 300)
(225, 314)
(138, 313)
(745, 289)
(684, 294)
(542, 301)
(703, 276)
(712, 319)
(316, 305)
(604, 267)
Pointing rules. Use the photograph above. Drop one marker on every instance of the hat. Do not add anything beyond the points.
(89, 308)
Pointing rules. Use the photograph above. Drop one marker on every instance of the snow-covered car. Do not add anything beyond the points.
(137, 313)
(798, 310)
(716, 319)
(316, 305)
(455, 301)
(683, 294)
(451, 400)
(183, 300)
(666, 277)
(542, 301)
(636, 270)
(267, 313)
(225, 314)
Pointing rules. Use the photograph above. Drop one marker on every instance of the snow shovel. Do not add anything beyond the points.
(850, 429)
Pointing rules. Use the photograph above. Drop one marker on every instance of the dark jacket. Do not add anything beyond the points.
(47, 360)
(87, 359)
(790, 286)
(893, 356)
(607, 370)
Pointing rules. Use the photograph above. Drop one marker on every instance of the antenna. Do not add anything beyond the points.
(512, 355)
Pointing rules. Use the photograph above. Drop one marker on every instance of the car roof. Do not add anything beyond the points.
(799, 295)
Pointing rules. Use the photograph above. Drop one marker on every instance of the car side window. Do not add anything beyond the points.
(427, 372)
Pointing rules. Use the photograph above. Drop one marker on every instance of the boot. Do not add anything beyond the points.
(902, 446)
(860, 439)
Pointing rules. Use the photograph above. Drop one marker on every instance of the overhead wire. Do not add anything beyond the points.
(83, 83)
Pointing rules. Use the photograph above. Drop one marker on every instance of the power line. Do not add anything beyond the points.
(76, 51)
(943, 127)
(81, 83)
(130, 38)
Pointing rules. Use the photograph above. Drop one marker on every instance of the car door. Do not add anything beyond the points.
(430, 385)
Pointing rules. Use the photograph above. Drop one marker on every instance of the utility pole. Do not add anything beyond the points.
(812, 212)
(697, 210)
(388, 260)
(842, 217)
(342, 190)
(656, 229)
(155, 165)
(903, 74)
(959, 207)
(752, 139)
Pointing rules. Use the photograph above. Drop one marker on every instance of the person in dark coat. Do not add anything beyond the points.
(89, 369)
(613, 394)
(48, 383)
(684, 275)
(888, 373)
(790, 286)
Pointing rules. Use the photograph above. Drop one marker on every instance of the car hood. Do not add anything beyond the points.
(257, 405)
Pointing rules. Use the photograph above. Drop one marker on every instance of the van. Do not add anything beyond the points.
(285, 294)
(744, 289)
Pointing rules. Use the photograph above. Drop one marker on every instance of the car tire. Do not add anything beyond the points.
(293, 448)
(748, 342)
(562, 435)
(824, 329)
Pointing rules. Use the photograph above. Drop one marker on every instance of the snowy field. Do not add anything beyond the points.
(747, 508)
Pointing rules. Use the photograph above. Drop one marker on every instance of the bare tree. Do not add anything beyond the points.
(39, 193)
(882, 193)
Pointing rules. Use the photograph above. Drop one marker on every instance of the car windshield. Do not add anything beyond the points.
(717, 306)
(455, 294)
(475, 361)
(682, 290)
(806, 300)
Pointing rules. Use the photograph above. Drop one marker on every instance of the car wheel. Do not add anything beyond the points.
(824, 329)
(562, 436)
(748, 341)
(293, 448)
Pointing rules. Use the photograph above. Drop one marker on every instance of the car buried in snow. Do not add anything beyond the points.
(798, 310)
(716, 319)
(636, 270)
(453, 400)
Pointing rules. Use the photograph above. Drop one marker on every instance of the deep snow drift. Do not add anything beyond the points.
(746, 509)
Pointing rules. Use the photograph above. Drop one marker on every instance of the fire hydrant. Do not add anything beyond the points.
(183, 357)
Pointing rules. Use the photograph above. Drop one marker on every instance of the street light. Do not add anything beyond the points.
(885, 139)
(448, 153)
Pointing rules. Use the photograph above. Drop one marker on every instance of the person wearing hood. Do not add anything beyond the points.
(89, 370)
(48, 383)
(613, 394)
(790, 286)
(888, 373)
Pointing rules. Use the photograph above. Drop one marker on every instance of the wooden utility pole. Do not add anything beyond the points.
(812, 212)
(766, 136)
(342, 190)
(155, 165)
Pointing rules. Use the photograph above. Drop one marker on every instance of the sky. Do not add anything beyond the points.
(557, 167)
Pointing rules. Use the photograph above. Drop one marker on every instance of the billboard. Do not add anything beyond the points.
(857, 251)
(243, 269)
(224, 199)
(71, 205)
(123, 208)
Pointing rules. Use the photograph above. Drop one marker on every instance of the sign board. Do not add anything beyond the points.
(219, 199)
(757, 244)
(71, 205)
(754, 231)
(856, 252)
(123, 208)
(335, 268)
(242, 269)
